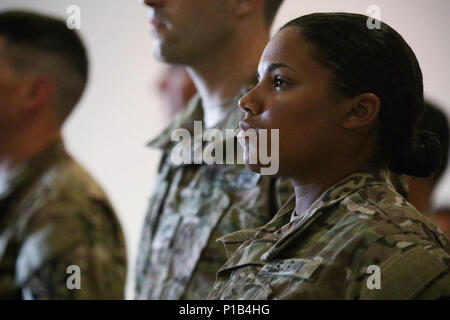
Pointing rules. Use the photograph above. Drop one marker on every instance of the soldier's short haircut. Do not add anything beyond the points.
(39, 43)
(271, 8)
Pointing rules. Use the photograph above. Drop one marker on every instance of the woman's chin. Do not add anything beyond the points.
(258, 168)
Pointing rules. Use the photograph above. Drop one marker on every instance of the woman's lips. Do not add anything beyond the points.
(244, 127)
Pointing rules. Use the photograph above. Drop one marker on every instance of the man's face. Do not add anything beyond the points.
(186, 31)
(10, 89)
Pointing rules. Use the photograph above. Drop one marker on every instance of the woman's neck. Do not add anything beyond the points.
(308, 188)
(305, 195)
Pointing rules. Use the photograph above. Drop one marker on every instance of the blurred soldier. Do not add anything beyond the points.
(421, 189)
(176, 88)
(59, 237)
(220, 42)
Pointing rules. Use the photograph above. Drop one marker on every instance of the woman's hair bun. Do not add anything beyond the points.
(422, 155)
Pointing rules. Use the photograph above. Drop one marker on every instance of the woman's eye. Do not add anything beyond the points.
(279, 83)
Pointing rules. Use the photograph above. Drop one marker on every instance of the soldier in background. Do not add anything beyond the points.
(421, 189)
(59, 236)
(220, 43)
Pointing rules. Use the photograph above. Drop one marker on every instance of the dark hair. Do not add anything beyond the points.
(433, 119)
(378, 61)
(271, 8)
(40, 38)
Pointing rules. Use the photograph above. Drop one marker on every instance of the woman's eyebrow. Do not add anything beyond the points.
(276, 65)
(273, 66)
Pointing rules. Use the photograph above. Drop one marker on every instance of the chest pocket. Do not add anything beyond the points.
(181, 238)
(200, 217)
(194, 208)
(245, 286)
(275, 279)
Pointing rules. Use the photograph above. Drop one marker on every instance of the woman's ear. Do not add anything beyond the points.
(362, 112)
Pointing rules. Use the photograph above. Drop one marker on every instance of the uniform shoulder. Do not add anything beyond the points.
(67, 206)
(69, 176)
(67, 193)
(400, 270)
(69, 221)
(74, 193)
(411, 255)
(381, 210)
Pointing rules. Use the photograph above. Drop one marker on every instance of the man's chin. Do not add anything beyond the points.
(162, 54)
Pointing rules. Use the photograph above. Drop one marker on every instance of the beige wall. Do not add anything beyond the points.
(120, 110)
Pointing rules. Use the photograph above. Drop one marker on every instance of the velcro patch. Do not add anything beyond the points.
(405, 275)
(296, 268)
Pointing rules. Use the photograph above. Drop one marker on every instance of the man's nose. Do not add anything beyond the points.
(153, 3)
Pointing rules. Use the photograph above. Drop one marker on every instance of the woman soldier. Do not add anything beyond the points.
(346, 100)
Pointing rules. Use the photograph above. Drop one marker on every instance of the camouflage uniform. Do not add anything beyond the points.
(328, 251)
(52, 216)
(191, 207)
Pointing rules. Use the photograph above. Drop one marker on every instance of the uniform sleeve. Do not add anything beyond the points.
(72, 252)
(400, 270)
(437, 290)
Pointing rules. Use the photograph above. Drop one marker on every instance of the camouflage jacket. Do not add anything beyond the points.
(360, 240)
(58, 233)
(191, 207)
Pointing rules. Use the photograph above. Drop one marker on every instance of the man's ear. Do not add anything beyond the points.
(362, 112)
(38, 92)
(244, 7)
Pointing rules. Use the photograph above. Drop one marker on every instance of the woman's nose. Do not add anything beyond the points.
(248, 103)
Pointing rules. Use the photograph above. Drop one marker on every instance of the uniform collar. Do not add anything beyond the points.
(184, 120)
(25, 172)
(9, 180)
(194, 112)
(288, 230)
